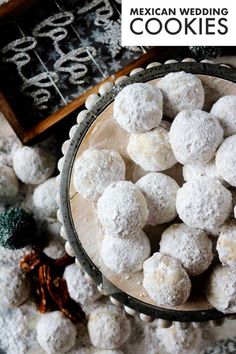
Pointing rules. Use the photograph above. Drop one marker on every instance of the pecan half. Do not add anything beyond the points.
(30, 262)
(51, 288)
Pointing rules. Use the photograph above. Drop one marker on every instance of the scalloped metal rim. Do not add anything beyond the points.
(219, 71)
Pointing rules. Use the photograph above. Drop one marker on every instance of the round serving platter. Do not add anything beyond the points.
(97, 129)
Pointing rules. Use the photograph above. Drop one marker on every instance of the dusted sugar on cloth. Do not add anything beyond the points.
(9, 186)
(191, 246)
(122, 208)
(193, 171)
(203, 203)
(226, 160)
(165, 280)
(12, 257)
(80, 288)
(221, 289)
(108, 327)
(152, 150)
(104, 351)
(15, 287)
(181, 91)
(125, 255)
(15, 332)
(33, 165)
(44, 197)
(55, 333)
(226, 245)
(225, 110)
(195, 137)
(95, 170)
(138, 107)
(160, 193)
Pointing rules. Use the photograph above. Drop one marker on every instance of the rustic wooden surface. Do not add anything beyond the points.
(13, 8)
(10, 115)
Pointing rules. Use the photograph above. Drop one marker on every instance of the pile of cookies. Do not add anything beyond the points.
(167, 126)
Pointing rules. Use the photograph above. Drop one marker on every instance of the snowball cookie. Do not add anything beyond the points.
(95, 170)
(203, 203)
(179, 341)
(44, 197)
(15, 287)
(151, 150)
(195, 136)
(9, 185)
(165, 280)
(104, 351)
(192, 171)
(55, 333)
(56, 248)
(138, 107)
(108, 327)
(226, 245)
(225, 110)
(122, 208)
(181, 91)
(191, 246)
(80, 288)
(33, 165)
(226, 160)
(160, 193)
(221, 289)
(123, 255)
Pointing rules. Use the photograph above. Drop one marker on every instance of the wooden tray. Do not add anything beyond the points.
(98, 129)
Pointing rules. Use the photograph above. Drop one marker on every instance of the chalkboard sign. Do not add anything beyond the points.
(54, 52)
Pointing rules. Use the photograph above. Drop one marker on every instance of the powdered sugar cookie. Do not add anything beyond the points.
(195, 136)
(152, 150)
(122, 208)
(226, 160)
(44, 197)
(55, 332)
(226, 245)
(80, 288)
(165, 280)
(95, 170)
(191, 246)
(224, 109)
(203, 203)
(108, 327)
(160, 193)
(125, 255)
(15, 287)
(181, 91)
(221, 289)
(33, 165)
(138, 107)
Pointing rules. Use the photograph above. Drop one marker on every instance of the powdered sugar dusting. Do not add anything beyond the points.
(122, 208)
(181, 91)
(138, 107)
